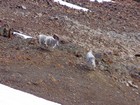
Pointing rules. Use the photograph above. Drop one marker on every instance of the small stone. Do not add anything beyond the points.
(131, 84)
(39, 14)
(23, 7)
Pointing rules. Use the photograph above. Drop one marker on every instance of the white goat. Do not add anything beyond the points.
(90, 59)
(48, 41)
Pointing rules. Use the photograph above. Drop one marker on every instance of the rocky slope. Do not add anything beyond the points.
(111, 30)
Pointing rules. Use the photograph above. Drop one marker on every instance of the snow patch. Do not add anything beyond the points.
(71, 5)
(101, 1)
(10, 96)
(22, 35)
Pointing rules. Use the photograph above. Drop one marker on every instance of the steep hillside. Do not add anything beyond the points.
(111, 30)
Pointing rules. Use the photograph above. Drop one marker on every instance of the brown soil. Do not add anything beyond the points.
(61, 75)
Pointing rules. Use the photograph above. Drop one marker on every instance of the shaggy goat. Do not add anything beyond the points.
(48, 41)
(90, 59)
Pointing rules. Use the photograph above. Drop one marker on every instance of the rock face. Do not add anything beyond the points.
(111, 29)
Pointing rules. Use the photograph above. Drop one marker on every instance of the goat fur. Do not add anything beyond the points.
(48, 41)
(90, 59)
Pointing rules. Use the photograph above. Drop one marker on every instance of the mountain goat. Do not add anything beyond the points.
(90, 59)
(48, 41)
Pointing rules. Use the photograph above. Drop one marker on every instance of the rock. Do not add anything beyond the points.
(107, 58)
(131, 84)
(54, 18)
(98, 55)
(6, 31)
(78, 54)
(135, 75)
(21, 7)
(39, 14)
(65, 40)
(137, 55)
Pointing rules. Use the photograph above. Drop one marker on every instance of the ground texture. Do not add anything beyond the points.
(111, 30)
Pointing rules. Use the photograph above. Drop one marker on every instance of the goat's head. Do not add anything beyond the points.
(56, 37)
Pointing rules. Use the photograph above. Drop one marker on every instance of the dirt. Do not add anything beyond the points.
(111, 30)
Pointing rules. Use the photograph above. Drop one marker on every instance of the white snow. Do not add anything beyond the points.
(10, 96)
(101, 1)
(71, 5)
(22, 35)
